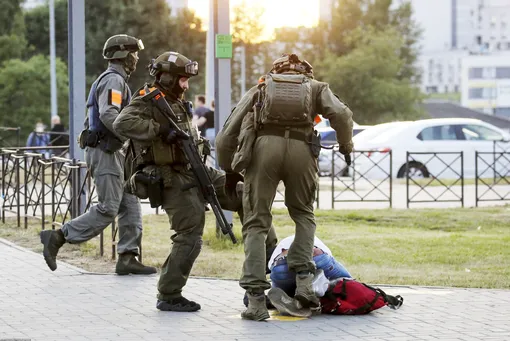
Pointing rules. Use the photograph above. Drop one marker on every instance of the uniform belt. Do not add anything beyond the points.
(291, 134)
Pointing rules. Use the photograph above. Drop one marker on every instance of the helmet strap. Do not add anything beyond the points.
(170, 83)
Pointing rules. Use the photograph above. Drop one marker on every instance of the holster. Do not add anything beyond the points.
(88, 138)
(315, 143)
(148, 186)
(110, 144)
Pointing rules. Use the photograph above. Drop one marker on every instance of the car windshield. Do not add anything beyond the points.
(373, 132)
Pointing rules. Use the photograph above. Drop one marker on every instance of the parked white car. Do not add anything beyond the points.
(448, 135)
(360, 133)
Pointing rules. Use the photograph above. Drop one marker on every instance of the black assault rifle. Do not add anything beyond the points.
(188, 146)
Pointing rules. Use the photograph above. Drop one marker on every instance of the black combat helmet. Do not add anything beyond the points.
(173, 63)
(119, 46)
(169, 67)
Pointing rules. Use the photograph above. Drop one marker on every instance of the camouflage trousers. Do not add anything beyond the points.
(186, 213)
(276, 159)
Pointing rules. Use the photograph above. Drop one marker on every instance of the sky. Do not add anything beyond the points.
(278, 13)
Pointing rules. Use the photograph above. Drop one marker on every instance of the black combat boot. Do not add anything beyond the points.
(128, 264)
(52, 241)
(178, 304)
(304, 290)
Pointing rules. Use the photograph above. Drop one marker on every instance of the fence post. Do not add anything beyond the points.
(113, 240)
(391, 179)
(407, 179)
(332, 179)
(53, 186)
(28, 168)
(43, 203)
(17, 189)
(3, 188)
(476, 178)
(494, 160)
(462, 177)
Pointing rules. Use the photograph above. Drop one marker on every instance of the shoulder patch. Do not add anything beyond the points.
(114, 97)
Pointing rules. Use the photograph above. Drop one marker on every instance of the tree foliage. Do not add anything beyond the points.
(147, 20)
(368, 55)
(25, 92)
(367, 52)
(368, 79)
(247, 30)
(12, 30)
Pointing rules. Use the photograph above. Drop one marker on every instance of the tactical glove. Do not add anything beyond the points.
(346, 150)
(231, 181)
(171, 136)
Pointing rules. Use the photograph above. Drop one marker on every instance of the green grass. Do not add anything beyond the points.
(451, 247)
(452, 96)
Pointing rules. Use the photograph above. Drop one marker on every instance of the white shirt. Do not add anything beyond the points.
(287, 242)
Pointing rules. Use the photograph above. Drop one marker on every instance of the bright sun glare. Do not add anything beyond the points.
(278, 13)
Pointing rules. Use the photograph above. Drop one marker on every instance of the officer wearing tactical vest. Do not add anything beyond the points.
(157, 156)
(105, 160)
(270, 135)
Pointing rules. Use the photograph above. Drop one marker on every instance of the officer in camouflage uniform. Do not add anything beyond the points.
(282, 151)
(105, 160)
(157, 154)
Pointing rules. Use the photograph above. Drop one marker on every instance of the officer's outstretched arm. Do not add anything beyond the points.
(226, 140)
(339, 116)
(134, 122)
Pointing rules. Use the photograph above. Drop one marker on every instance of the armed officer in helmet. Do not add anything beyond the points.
(105, 160)
(281, 109)
(157, 156)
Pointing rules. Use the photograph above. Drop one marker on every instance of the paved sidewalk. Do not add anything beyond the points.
(71, 304)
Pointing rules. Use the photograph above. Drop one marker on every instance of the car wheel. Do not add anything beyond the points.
(416, 171)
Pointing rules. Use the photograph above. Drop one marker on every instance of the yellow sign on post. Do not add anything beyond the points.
(223, 46)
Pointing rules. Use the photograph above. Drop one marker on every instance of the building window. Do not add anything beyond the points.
(482, 93)
(431, 89)
(476, 93)
(502, 72)
(475, 73)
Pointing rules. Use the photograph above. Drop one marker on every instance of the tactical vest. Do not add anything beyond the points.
(161, 153)
(286, 100)
(95, 123)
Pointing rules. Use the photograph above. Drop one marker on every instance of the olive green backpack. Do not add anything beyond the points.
(286, 100)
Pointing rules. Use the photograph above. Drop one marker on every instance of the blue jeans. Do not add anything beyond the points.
(284, 279)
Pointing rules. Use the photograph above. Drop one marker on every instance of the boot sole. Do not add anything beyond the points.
(123, 273)
(276, 294)
(181, 309)
(52, 264)
(256, 318)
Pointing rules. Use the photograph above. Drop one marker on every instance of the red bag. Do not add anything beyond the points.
(350, 297)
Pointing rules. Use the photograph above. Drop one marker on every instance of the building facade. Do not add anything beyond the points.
(455, 29)
(486, 83)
